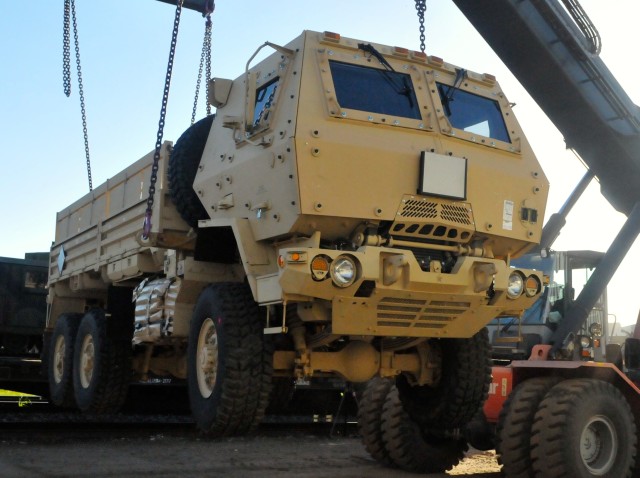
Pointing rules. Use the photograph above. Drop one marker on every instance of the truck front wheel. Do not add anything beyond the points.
(462, 388)
(229, 361)
(60, 360)
(370, 409)
(413, 447)
(101, 366)
(584, 428)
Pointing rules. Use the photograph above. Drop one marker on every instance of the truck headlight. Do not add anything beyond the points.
(595, 329)
(343, 271)
(516, 285)
(585, 341)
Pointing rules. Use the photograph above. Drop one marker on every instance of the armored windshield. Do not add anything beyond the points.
(473, 113)
(374, 90)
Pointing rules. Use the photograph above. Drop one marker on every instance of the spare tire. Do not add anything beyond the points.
(183, 166)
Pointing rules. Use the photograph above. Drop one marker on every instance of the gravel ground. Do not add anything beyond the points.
(176, 449)
(39, 441)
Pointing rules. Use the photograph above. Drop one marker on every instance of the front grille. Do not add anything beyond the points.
(398, 312)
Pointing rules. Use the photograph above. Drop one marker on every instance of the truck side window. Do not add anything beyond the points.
(473, 113)
(35, 280)
(374, 90)
(265, 96)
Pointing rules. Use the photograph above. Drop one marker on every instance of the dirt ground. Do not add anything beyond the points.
(181, 451)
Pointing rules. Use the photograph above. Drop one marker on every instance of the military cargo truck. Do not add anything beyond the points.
(22, 303)
(350, 210)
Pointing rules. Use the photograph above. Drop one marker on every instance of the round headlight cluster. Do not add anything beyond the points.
(519, 284)
(516, 285)
(343, 271)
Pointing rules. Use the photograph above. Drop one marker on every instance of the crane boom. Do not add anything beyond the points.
(549, 54)
(201, 6)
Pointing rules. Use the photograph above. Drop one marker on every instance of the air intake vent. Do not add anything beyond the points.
(457, 214)
(419, 209)
(422, 219)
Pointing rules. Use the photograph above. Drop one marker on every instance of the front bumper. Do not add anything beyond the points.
(392, 296)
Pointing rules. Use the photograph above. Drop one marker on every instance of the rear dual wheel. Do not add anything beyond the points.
(102, 366)
(60, 360)
(85, 367)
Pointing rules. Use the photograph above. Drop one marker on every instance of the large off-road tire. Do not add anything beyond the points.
(229, 361)
(101, 366)
(513, 433)
(59, 360)
(370, 408)
(584, 428)
(463, 385)
(183, 166)
(413, 448)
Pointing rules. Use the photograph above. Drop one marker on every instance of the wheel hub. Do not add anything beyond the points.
(87, 361)
(207, 358)
(598, 445)
(58, 359)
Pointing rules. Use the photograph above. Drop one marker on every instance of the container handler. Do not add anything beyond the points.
(557, 414)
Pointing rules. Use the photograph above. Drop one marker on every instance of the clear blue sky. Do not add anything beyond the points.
(124, 47)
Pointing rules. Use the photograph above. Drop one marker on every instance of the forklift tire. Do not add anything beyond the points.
(183, 166)
(584, 428)
(229, 362)
(101, 366)
(59, 360)
(370, 408)
(413, 448)
(462, 389)
(513, 433)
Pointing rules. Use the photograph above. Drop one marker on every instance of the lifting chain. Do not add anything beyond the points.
(70, 14)
(421, 7)
(146, 228)
(205, 56)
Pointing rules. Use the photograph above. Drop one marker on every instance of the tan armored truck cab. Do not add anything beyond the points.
(351, 209)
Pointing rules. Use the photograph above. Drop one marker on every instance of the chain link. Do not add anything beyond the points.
(207, 40)
(163, 112)
(70, 17)
(66, 53)
(205, 55)
(421, 7)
